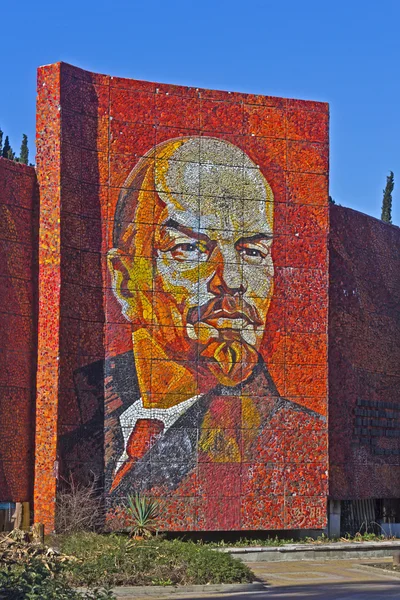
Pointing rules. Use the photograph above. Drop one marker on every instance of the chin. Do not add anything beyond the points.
(230, 363)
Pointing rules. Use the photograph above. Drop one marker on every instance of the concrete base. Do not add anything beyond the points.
(137, 591)
(334, 513)
(339, 550)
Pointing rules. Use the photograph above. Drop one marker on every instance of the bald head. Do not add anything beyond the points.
(203, 181)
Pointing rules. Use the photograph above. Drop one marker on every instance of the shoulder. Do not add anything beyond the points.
(278, 410)
(295, 414)
(108, 385)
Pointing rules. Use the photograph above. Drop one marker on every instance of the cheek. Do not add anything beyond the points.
(140, 275)
(262, 305)
(259, 282)
(178, 279)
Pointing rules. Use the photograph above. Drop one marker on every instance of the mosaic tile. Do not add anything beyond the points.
(221, 116)
(19, 201)
(134, 106)
(308, 252)
(262, 513)
(307, 188)
(219, 513)
(308, 157)
(129, 138)
(270, 152)
(175, 111)
(264, 121)
(305, 125)
(301, 510)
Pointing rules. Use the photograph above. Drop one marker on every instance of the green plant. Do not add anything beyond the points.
(117, 560)
(277, 541)
(24, 153)
(36, 579)
(143, 514)
(6, 150)
(32, 571)
(243, 542)
(386, 213)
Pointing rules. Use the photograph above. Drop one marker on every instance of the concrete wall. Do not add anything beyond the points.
(183, 300)
(364, 357)
(71, 290)
(18, 328)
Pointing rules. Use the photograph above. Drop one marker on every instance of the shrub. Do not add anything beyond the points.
(39, 580)
(32, 571)
(117, 560)
(79, 507)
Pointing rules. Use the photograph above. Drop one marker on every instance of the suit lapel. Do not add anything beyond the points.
(175, 453)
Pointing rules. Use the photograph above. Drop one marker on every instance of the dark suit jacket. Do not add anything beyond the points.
(106, 390)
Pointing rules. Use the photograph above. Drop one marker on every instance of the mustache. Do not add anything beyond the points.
(226, 306)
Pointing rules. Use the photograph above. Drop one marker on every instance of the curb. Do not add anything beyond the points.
(137, 591)
(377, 570)
(336, 550)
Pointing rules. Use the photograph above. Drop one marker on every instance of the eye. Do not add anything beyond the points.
(252, 254)
(190, 251)
(185, 247)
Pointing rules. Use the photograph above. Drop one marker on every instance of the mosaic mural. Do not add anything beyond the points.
(184, 261)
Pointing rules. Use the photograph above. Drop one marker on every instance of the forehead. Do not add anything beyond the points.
(219, 213)
(208, 166)
(208, 183)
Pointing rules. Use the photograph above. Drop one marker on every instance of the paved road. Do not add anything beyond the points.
(322, 580)
(341, 592)
(329, 592)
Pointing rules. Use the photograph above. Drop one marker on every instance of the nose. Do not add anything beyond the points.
(228, 276)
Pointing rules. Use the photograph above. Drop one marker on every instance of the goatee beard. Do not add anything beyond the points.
(230, 361)
(225, 329)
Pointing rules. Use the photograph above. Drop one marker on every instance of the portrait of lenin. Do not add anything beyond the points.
(192, 412)
(193, 273)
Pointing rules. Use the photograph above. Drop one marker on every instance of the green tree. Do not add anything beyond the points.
(23, 156)
(386, 214)
(6, 148)
(1, 142)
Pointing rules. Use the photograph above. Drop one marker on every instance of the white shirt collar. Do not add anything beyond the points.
(137, 411)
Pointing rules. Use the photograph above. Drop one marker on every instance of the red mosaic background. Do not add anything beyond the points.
(92, 130)
(19, 203)
(364, 357)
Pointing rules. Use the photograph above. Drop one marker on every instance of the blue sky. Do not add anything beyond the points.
(342, 52)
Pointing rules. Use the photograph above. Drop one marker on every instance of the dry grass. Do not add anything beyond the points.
(79, 507)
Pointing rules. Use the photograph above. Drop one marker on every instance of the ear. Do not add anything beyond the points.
(119, 266)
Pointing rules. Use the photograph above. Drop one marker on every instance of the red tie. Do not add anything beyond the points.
(139, 442)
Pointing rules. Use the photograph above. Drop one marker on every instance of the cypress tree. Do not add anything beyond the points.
(6, 148)
(1, 142)
(386, 214)
(23, 156)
